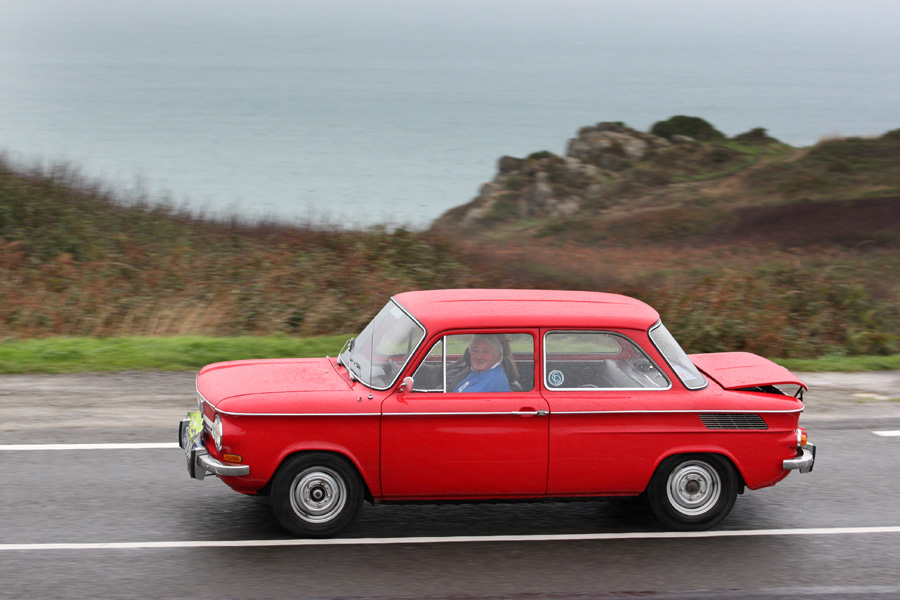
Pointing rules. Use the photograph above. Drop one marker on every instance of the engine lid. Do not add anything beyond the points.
(737, 370)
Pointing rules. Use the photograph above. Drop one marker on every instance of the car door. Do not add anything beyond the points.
(437, 442)
(608, 419)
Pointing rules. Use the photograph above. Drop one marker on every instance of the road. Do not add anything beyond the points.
(126, 522)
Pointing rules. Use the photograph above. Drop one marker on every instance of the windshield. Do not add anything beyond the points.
(377, 356)
(692, 378)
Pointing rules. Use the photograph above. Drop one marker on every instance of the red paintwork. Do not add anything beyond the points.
(415, 445)
(487, 309)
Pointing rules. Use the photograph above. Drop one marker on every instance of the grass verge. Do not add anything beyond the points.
(77, 354)
(843, 364)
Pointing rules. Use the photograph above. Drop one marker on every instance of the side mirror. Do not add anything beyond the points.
(406, 385)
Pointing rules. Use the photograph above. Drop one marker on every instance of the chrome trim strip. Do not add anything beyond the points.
(586, 412)
(572, 412)
(653, 412)
(378, 414)
(515, 413)
(239, 414)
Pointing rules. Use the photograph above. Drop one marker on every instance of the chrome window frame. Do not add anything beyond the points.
(659, 324)
(412, 352)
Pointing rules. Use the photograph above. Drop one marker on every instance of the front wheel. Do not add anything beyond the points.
(316, 495)
(691, 492)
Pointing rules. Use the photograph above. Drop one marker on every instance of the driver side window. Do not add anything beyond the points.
(473, 363)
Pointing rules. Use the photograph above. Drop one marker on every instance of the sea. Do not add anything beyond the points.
(362, 113)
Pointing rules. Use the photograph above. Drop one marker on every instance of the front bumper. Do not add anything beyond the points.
(804, 463)
(199, 462)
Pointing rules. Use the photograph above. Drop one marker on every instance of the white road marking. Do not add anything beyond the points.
(648, 535)
(133, 446)
(152, 446)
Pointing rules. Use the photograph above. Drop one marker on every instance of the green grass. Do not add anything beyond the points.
(78, 354)
(844, 364)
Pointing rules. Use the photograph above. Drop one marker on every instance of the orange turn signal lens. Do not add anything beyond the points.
(803, 438)
(232, 458)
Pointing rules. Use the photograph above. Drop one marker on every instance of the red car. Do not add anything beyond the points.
(456, 395)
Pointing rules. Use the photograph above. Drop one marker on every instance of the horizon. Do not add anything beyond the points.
(398, 110)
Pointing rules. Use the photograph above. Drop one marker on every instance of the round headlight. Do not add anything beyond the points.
(217, 432)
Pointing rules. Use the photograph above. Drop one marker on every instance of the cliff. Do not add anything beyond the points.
(662, 184)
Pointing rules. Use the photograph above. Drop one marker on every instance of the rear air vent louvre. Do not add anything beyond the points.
(732, 421)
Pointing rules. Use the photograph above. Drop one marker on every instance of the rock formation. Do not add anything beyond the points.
(547, 185)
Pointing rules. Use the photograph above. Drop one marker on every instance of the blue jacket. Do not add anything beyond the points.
(492, 380)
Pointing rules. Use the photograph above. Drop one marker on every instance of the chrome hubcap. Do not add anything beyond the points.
(318, 494)
(693, 488)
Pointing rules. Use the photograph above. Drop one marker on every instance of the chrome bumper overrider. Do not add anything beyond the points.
(805, 461)
(199, 462)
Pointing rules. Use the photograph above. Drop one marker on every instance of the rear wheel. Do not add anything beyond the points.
(316, 495)
(692, 492)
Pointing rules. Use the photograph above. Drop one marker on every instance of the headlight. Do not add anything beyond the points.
(217, 432)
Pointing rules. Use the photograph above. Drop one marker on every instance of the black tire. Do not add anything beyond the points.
(692, 492)
(316, 495)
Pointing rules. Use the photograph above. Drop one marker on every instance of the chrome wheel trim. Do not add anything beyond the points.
(694, 487)
(318, 494)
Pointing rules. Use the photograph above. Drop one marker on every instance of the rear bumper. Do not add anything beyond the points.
(199, 462)
(805, 462)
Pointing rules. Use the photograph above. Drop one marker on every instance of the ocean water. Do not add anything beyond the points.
(362, 112)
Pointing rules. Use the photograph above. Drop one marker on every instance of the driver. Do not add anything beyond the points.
(486, 372)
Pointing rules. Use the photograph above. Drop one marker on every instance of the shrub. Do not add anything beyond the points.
(541, 154)
(756, 136)
(694, 127)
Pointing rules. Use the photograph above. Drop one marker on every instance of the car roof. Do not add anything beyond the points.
(489, 308)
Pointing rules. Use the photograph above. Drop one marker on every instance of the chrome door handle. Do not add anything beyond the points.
(530, 412)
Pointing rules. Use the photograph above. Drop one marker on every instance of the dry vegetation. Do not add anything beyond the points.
(77, 260)
(793, 254)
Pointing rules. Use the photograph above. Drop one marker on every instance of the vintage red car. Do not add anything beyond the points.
(459, 395)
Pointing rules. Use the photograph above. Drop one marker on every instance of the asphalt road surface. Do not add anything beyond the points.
(125, 521)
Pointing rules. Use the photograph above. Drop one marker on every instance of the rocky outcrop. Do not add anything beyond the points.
(547, 185)
(595, 143)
